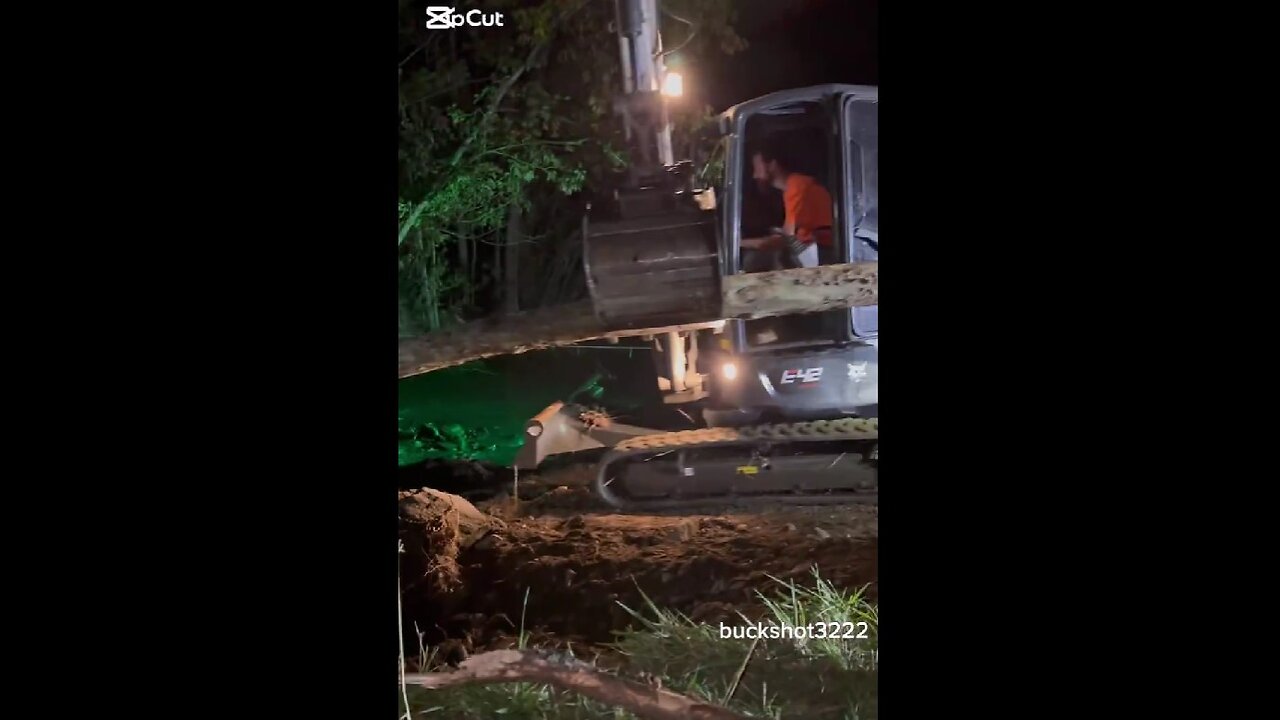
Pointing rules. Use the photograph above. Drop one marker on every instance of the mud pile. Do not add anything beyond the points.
(466, 571)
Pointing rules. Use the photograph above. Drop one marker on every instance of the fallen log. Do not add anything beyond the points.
(803, 290)
(743, 297)
(504, 666)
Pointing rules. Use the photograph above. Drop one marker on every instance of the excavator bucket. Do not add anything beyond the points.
(655, 270)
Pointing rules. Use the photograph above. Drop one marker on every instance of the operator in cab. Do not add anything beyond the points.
(807, 223)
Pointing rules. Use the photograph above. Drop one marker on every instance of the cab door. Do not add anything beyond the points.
(860, 149)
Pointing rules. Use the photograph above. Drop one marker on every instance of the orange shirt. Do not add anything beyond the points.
(808, 207)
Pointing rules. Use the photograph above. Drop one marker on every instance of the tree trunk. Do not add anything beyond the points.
(743, 297)
(464, 245)
(511, 261)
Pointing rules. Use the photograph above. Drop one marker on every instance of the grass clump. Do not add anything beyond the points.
(785, 677)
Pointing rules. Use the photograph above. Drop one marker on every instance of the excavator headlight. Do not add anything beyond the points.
(729, 371)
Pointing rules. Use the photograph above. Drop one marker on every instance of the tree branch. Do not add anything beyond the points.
(505, 666)
(507, 84)
(410, 222)
(531, 143)
(693, 31)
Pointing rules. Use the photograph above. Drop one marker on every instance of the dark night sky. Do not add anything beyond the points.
(794, 43)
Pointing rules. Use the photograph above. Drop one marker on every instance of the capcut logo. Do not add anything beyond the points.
(440, 17)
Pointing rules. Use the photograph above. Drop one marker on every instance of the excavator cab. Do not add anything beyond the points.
(800, 367)
(656, 263)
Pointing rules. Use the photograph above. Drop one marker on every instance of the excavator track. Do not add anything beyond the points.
(808, 463)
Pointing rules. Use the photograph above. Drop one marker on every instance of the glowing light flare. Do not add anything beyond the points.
(729, 371)
(673, 85)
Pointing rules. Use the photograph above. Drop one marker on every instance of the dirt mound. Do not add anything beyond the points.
(577, 569)
(435, 527)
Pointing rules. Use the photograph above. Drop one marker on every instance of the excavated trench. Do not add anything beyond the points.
(560, 563)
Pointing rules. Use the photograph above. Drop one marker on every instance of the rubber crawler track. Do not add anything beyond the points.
(848, 428)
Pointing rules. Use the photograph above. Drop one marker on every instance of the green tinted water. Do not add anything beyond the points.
(478, 411)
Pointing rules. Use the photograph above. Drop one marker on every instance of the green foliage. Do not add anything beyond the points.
(449, 441)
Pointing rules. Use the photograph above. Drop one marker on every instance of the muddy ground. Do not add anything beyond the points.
(468, 568)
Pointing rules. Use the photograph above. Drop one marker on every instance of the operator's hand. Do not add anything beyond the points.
(759, 243)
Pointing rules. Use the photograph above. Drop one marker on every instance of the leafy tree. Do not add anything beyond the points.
(501, 132)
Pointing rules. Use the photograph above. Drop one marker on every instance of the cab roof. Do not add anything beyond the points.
(784, 97)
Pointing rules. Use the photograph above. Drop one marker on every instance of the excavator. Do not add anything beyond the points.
(789, 405)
